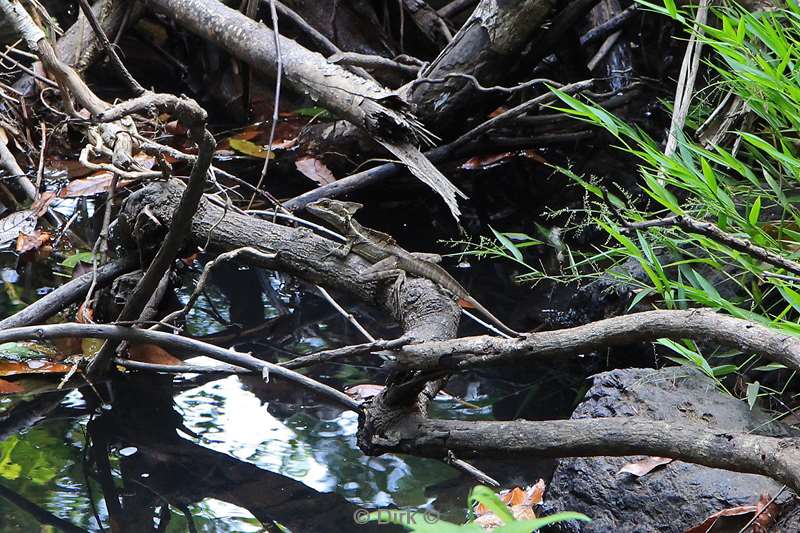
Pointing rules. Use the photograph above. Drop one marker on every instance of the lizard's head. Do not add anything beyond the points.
(333, 211)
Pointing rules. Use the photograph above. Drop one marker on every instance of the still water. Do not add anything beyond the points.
(215, 453)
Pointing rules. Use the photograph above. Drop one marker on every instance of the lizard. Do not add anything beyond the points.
(387, 257)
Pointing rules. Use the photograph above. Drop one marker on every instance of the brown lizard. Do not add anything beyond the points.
(387, 257)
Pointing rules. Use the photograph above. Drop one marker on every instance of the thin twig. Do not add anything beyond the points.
(710, 230)
(278, 76)
(472, 79)
(179, 344)
(204, 277)
(109, 49)
(686, 79)
(345, 352)
(349, 316)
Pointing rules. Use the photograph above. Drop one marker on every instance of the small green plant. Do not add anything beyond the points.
(78, 257)
(736, 168)
(479, 494)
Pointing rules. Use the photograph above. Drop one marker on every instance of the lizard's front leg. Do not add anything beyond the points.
(340, 252)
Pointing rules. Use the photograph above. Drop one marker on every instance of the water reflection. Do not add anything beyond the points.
(195, 454)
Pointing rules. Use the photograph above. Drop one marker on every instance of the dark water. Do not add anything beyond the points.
(225, 453)
(210, 453)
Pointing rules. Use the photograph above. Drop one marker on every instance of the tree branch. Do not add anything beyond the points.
(699, 324)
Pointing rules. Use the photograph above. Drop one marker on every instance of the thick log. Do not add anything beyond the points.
(486, 47)
(775, 457)
(422, 309)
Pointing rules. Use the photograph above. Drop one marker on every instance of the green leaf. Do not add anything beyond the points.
(314, 111)
(724, 370)
(73, 260)
(752, 393)
(507, 244)
(491, 501)
(752, 217)
(250, 148)
(770, 367)
(526, 526)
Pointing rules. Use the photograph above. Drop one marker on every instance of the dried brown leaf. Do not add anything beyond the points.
(767, 513)
(709, 522)
(98, 183)
(315, 170)
(15, 368)
(364, 391)
(150, 353)
(645, 466)
(8, 387)
(480, 162)
(536, 493)
(33, 241)
(43, 202)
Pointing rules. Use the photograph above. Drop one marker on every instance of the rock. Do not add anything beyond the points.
(670, 499)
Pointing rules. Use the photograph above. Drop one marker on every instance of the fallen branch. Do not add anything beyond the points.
(188, 112)
(712, 231)
(441, 153)
(116, 136)
(778, 458)
(699, 324)
(381, 113)
(177, 344)
(70, 293)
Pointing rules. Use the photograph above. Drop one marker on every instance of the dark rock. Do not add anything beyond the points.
(671, 498)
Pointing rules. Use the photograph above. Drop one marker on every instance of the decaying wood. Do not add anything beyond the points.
(487, 46)
(381, 113)
(424, 312)
(194, 117)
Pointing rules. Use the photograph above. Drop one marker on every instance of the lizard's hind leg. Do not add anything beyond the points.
(386, 269)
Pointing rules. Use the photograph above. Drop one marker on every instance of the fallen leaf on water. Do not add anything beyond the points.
(364, 391)
(33, 241)
(43, 202)
(519, 498)
(7, 387)
(709, 522)
(250, 148)
(150, 353)
(14, 368)
(485, 161)
(68, 346)
(96, 184)
(15, 223)
(315, 170)
(645, 466)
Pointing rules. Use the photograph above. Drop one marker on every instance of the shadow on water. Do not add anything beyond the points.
(233, 453)
(209, 453)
